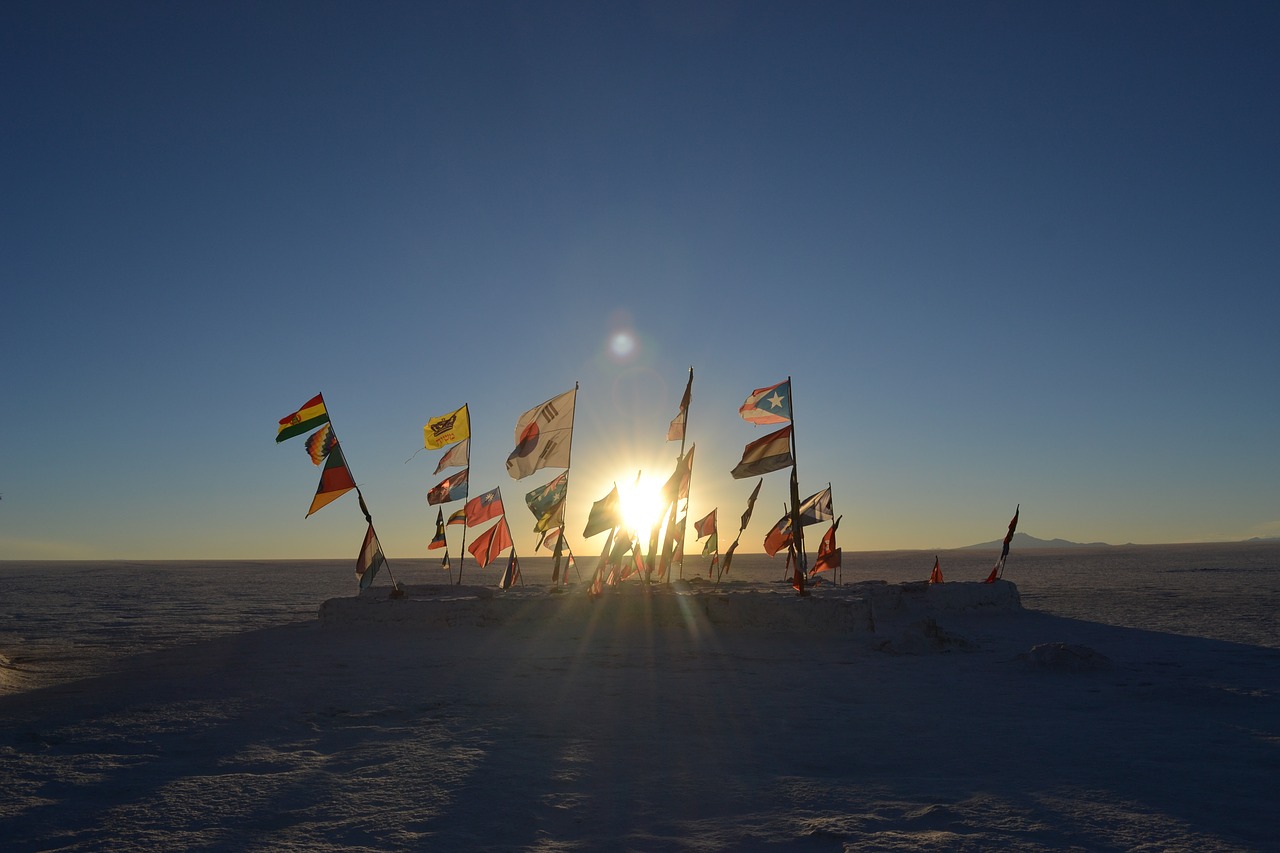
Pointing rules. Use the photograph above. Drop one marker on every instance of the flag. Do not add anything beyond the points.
(447, 429)
(458, 517)
(828, 554)
(797, 576)
(550, 538)
(547, 503)
(713, 544)
(489, 544)
(751, 505)
(451, 488)
(458, 456)
(311, 415)
(512, 573)
(706, 525)
(370, 559)
(319, 443)
(1004, 551)
(779, 537)
(675, 432)
(484, 507)
(605, 514)
(677, 485)
(438, 541)
(770, 453)
(935, 576)
(335, 480)
(544, 435)
(770, 405)
(816, 508)
(728, 556)
(444, 562)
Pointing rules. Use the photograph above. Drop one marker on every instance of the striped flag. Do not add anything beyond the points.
(319, 443)
(438, 541)
(335, 480)
(770, 405)
(311, 415)
(770, 453)
(370, 559)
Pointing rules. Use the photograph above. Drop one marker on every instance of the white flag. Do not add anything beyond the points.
(543, 437)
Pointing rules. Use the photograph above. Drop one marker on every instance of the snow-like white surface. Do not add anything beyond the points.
(878, 717)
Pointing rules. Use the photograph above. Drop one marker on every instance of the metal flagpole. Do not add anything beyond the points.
(797, 532)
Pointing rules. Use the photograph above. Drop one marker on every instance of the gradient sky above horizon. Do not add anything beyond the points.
(1009, 253)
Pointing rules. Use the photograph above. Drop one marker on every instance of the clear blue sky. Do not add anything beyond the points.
(1009, 253)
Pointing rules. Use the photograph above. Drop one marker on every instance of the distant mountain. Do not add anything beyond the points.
(1022, 540)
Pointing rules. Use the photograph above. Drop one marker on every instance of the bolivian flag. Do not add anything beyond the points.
(311, 415)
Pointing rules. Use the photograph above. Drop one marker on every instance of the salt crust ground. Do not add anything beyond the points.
(891, 718)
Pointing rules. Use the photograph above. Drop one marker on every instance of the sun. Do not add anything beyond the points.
(641, 503)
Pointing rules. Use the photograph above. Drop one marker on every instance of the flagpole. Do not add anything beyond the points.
(664, 528)
(462, 549)
(564, 510)
(797, 531)
(395, 587)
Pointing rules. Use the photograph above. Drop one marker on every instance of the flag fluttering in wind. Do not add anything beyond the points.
(751, 505)
(481, 509)
(935, 576)
(458, 517)
(438, 541)
(816, 508)
(335, 480)
(770, 453)
(605, 514)
(828, 554)
(489, 544)
(319, 443)
(677, 486)
(311, 415)
(544, 435)
(512, 573)
(779, 537)
(706, 525)
(451, 488)
(1004, 551)
(675, 432)
(547, 503)
(770, 405)
(447, 429)
(370, 559)
(458, 456)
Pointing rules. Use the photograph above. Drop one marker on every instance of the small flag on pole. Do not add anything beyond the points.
(438, 541)
(451, 488)
(335, 480)
(605, 514)
(489, 544)
(311, 415)
(828, 554)
(447, 429)
(675, 432)
(370, 559)
(481, 509)
(770, 453)
(770, 405)
(319, 443)
(935, 576)
(458, 456)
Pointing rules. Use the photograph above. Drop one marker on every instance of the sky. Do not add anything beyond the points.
(1009, 254)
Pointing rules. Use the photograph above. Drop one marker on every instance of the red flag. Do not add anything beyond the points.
(828, 554)
(484, 507)
(489, 544)
(512, 573)
(706, 525)
(779, 537)
(797, 576)
(935, 576)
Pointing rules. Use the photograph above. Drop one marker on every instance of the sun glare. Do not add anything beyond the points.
(641, 504)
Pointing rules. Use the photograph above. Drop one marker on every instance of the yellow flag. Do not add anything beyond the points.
(447, 429)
